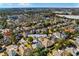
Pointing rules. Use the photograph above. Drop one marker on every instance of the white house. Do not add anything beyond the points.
(37, 35)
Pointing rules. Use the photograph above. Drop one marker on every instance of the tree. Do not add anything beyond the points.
(40, 52)
(77, 54)
(30, 39)
(1, 36)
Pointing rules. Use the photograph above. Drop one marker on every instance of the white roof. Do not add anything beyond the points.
(70, 16)
(22, 41)
(56, 34)
(37, 35)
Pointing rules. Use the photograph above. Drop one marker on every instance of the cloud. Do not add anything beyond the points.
(14, 5)
(24, 4)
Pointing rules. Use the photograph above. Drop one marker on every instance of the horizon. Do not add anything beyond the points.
(39, 5)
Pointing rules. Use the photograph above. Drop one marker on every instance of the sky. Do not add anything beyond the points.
(39, 5)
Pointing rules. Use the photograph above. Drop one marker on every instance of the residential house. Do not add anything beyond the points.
(36, 44)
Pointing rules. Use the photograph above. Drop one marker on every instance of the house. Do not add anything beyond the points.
(60, 35)
(57, 35)
(56, 52)
(36, 44)
(21, 49)
(12, 50)
(71, 30)
(27, 51)
(77, 39)
(45, 42)
(72, 50)
(22, 41)
(77, 28)
(6, 32)
(37, 35)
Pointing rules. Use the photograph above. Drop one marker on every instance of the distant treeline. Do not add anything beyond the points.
(12, 11)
